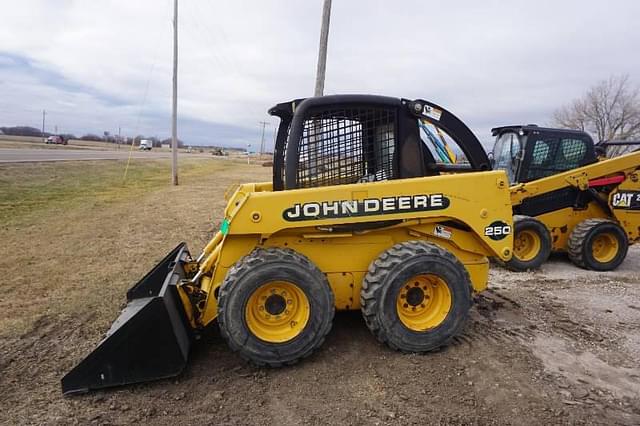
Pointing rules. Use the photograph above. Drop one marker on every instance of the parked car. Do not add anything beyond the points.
(146, 145)
(57, 140)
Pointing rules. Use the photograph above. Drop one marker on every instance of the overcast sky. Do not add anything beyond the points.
(96, 65)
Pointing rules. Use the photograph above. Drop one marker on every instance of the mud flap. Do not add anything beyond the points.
(150, 339)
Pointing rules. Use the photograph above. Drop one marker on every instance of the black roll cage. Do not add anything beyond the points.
(293, 114)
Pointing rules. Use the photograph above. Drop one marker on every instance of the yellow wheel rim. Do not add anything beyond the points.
(277, 312)
(604, 247)
(526, 245)
(423, 302)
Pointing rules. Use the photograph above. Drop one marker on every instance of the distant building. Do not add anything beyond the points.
(1, 132)
(166, 145)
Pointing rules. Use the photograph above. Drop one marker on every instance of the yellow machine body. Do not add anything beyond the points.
(467, 214)
(623, 202)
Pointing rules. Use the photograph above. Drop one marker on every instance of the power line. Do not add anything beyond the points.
(240, 68)
(228, 61)
(136, 129)
(198, 29)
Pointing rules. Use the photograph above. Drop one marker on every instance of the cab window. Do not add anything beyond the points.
(506, 153)
(573, 151)
(540, 153)
(550, 156)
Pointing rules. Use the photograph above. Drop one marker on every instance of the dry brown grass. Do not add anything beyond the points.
(75, 238)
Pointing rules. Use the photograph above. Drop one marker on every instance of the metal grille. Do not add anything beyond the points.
(347, 145)
(551, 201)
(551, 156)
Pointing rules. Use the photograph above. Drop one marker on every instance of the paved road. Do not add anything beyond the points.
(9, 155)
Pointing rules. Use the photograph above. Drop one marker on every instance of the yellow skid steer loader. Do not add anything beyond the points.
(567, 198)
(359, 216)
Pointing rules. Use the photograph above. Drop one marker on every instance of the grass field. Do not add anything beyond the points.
(76, 235)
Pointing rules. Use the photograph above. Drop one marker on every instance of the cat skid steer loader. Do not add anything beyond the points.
(566, 198)
(359, 215)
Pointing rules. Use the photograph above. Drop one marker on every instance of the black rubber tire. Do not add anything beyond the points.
(528, 223)
(582, 237)
(251, 272)
(387, 275)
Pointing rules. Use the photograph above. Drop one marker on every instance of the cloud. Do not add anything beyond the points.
(102, 64)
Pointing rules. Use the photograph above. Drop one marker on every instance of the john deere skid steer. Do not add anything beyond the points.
(359, 216)
(566, 198)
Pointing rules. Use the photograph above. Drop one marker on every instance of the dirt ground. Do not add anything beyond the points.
(556, 346)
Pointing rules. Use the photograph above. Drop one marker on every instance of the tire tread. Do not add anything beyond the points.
(518, 266)
(576, 246)
(256, 257)
(373, 282)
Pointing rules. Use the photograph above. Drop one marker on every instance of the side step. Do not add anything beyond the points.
(149, 340)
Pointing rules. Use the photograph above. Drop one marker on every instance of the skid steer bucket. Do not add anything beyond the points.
(149, 340)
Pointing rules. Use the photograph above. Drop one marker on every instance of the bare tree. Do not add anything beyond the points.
(609, 110)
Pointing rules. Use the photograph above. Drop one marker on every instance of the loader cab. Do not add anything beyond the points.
(345, 139)
(530, 152)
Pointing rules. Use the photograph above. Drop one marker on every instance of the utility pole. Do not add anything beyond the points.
(174, 115)
(319, 89)
(44, 113)
(275, 137)
(264, 124)
(322, 51)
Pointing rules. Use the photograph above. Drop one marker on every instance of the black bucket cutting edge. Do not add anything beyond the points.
(150, 339)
